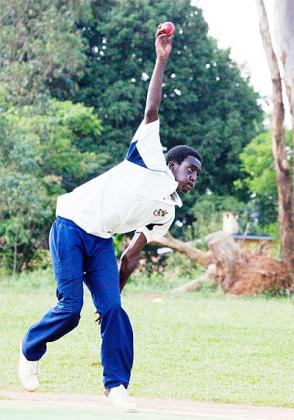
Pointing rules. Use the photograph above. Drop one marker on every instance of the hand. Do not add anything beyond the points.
(163, 44)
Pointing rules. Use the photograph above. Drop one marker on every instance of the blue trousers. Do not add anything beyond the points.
(80, 257)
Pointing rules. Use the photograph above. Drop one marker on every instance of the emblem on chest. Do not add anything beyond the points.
(160, 212)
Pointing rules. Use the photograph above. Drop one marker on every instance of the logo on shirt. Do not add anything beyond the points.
(160, 212)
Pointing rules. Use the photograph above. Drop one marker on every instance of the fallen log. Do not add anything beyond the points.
(238, 271)
(242, 272)
(200, 257)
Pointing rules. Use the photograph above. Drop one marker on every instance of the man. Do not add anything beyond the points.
(137, 195)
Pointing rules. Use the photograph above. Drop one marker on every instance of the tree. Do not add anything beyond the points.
(41, 156)
(260, 178)
(23, 199)
(284, 14)
(209, 211)
(40, 45)
(284, 184)
(206, 104)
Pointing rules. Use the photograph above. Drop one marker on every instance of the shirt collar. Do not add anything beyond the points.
(174, 196)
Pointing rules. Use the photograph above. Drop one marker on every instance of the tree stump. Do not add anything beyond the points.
(242, 272)
(238, 272)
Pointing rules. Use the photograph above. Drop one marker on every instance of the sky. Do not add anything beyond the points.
(235, 25)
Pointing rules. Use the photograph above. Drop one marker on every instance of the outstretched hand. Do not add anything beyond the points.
(163, 44)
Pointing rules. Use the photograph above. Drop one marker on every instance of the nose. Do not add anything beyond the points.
(193, 177)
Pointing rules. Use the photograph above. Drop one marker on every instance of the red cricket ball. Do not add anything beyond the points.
(167, 28)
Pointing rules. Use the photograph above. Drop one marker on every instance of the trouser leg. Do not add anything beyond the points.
(116, 331)
(67, 258)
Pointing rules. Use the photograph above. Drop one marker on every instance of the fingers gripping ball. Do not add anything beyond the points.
(167, 28)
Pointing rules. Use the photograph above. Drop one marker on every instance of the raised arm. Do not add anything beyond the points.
(163, 47)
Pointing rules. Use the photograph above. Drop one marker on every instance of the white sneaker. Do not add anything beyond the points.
(28, 372)
(119, 399)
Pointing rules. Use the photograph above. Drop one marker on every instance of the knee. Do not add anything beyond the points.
(72, 309)
(74, 320)
(73, 316)
(113, 308)
(75, 313)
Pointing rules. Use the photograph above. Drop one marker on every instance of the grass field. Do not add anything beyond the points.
(200, 347)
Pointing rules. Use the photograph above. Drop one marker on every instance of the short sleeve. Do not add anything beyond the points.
(155, 232)
(145, 149)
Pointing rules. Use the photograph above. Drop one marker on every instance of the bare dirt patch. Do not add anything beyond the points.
(161, 406)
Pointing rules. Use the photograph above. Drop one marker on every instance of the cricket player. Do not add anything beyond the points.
(140, 195)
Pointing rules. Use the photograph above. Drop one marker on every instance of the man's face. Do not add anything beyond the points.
(185, 174)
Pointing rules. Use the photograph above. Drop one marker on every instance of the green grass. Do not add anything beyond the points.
(201, 347)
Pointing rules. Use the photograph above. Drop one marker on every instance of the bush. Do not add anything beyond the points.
(176, 269)
(209, 212)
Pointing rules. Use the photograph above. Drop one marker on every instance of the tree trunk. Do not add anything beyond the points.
(284, 31)
(284, 186)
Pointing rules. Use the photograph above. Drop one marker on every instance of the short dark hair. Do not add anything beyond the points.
(180, 153)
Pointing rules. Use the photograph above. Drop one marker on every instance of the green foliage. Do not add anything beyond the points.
(100, 55)
(206, 104)
(209, 209)
(40, 46)
(170, 272)
(257, 162)
(42, 155)
(59, 134)
(260, 178)
(179, 267)
(23, 201)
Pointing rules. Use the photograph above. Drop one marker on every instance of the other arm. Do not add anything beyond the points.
(163, 46)
(131, 255)
(130, 258)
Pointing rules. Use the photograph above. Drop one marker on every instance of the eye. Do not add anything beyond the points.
(189, 170)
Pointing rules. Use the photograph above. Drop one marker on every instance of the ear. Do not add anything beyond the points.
(171, 165)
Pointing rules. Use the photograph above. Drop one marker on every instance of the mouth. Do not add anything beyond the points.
(188, 187)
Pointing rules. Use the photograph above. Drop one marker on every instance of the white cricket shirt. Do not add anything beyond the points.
(138, 194)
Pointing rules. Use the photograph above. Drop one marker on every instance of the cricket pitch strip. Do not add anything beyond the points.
(49, 406)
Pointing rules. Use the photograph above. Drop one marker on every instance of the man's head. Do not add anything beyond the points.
(185, 164)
